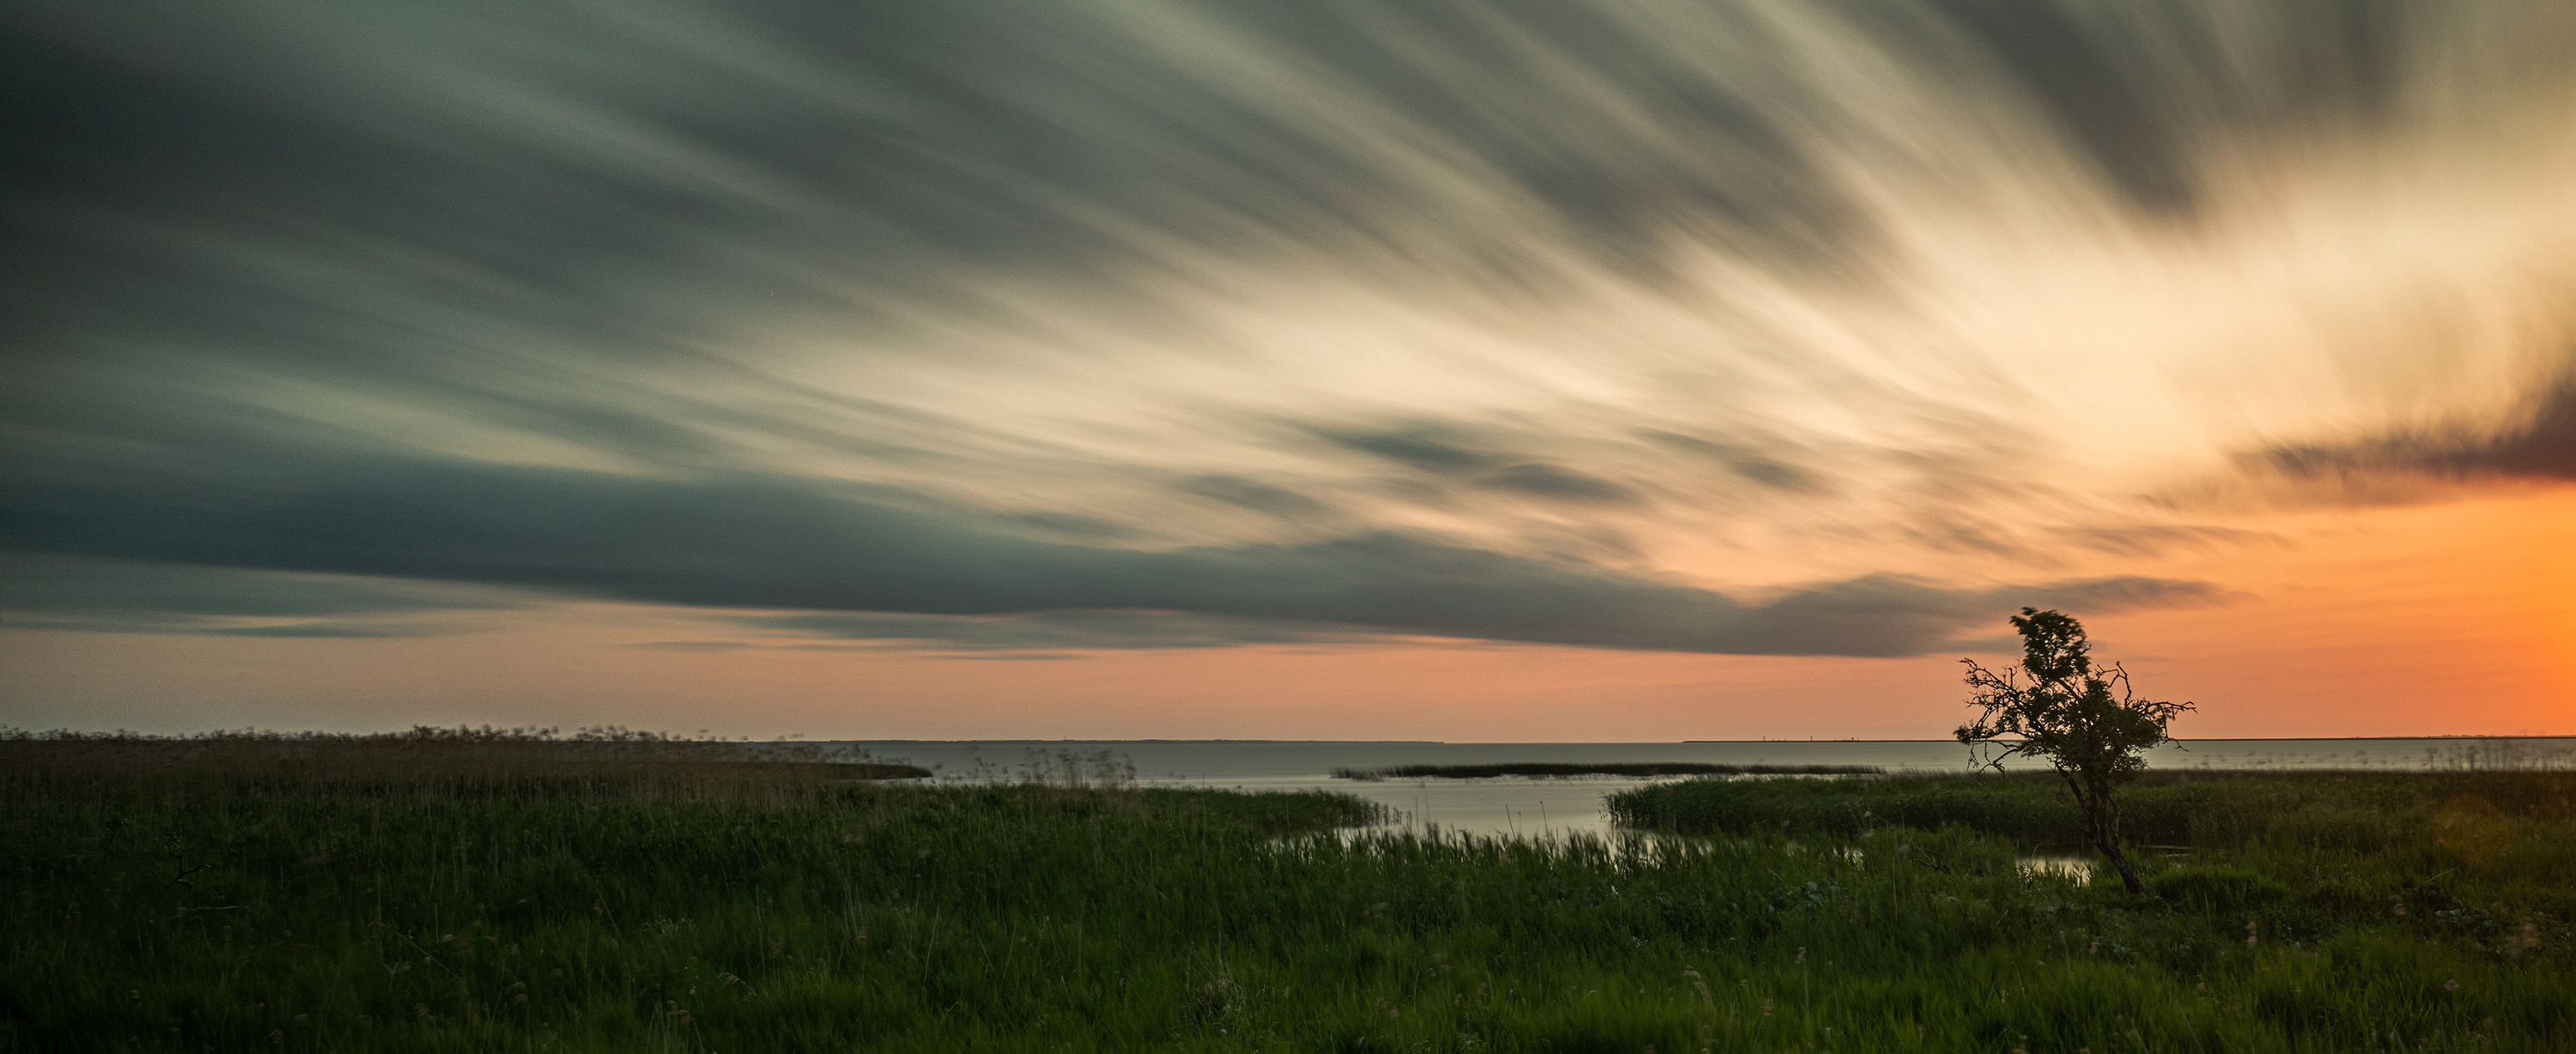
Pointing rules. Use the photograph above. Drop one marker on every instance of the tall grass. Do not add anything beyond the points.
(2356, 811)
(187, 910)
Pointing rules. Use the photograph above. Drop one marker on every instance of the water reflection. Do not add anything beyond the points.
(2076, 868)
(1637, 847)
(1506, 806)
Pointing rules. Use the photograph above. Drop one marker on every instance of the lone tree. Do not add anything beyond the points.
(2078, 716)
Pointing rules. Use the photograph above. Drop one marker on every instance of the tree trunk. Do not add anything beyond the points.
(2120, 860)
(2102, 824)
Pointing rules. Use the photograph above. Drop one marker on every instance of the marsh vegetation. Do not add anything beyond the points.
(163, 906)
(1559, 769)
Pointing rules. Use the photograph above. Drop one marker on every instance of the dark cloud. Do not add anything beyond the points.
(113, 596)
(1071, 525)
(30, 582)
(2144, 92)
(2544, 450)
(603, 163)
(1257, 496)
(746, 541)
(2542, 447)
(2093, 97)
(1532, 88)
(119, 597)
(1556, 482)
(694, 156)
(1421, 447)
(1745, 461)
(1447, 450)
(347, 189)
(1779, 476)
(1056, 630)
(325, 630)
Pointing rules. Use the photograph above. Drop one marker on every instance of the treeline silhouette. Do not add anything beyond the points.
(484, 760)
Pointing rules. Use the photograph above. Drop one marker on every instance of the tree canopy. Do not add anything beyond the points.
(2080, 717)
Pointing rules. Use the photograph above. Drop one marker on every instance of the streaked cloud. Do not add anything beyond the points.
(126, 596)
(1809, 328)
(2541, 445)
(745, 541)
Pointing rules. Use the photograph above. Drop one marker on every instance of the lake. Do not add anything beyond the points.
(1562, 806)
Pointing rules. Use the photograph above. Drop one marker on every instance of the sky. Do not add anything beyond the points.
(1399, 369)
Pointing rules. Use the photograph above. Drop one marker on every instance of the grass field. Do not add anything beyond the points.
(633, 906)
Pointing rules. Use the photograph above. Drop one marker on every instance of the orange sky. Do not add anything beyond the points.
(2447, 619)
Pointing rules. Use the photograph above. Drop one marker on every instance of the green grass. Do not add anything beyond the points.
(2358, 812)
(1603, 768)
(630, 911)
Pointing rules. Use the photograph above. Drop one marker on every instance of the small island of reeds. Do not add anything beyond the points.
(1546, 769)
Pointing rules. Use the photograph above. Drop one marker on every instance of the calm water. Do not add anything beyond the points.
(1538, 807)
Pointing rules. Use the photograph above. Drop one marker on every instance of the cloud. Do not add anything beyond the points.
(2541, 446)
(746, 541)
(2154, 540)
(323, 630)
(1458, 455)
(1072, 525)
(1420, 447)
(116, 596)
(1761, 467)
(1559, 483)
(1057, 630)
(1416, 315)
(1257, 496)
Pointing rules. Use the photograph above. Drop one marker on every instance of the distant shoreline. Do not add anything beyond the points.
(2203, 739)
(1626, 742)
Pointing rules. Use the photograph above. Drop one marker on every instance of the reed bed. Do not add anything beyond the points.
(2367, 812)
(1554, 769)
(173, 909)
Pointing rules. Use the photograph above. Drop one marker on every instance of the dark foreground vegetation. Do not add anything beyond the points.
(163, 907)
(1601, 768)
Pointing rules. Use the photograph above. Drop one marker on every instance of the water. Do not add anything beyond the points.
(1539, 807)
